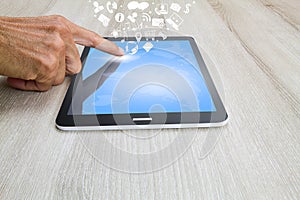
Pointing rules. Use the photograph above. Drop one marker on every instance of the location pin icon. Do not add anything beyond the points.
(138, 36)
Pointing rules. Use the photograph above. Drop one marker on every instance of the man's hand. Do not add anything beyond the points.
(36, 53)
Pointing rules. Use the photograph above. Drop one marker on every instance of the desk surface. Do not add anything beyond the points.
(252, 49)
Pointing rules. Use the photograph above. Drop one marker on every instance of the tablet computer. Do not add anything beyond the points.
(158, 83)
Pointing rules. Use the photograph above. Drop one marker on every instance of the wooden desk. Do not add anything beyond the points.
(252, 49)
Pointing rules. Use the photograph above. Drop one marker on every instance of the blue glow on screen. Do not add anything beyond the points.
(177, 83)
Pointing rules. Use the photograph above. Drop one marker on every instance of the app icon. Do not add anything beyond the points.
(98, 7)
(148, 46)
(119, 17)
(175, 21)
(111, 6)
(158, 22)
(104, 19)
(176, 7)
(133, 5)
(132, 17)
(162, 9)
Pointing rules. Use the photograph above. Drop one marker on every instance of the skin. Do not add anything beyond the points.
(37, 52)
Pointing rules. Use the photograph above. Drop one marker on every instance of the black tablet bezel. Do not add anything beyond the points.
(219, 116)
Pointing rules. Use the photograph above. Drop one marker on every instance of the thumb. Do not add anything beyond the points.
(27, 84)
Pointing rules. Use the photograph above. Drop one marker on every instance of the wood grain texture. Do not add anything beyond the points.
(252, 49)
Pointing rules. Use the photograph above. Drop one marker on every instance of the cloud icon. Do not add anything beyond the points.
(133, 5)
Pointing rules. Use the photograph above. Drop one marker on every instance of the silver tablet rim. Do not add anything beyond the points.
(142, 127)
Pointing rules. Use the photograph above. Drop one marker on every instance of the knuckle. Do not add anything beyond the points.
(53, 42)
(48, 65)
(58, 18)
(58, 24)
(58, 44)
(95, 39)
(59, 80)
(52, 65)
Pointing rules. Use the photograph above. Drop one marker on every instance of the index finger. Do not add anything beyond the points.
(85, 37)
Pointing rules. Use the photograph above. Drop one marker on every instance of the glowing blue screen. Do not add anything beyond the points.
(167, 78)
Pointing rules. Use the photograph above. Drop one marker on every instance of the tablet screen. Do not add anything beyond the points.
(152, 77)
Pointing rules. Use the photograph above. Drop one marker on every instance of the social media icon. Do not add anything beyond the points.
(133, 5)
(111, 6)
(133, 17)
(146, 17)
(138, 36)
(162, 9)
(158, 22)
(176, 7)
(175, 21)
(115, 33)
(98, 7)
(119, 17)
(148, 46)
(132, 47)
(187, 8)
(136, 26)
(104, 19)
(164, 36)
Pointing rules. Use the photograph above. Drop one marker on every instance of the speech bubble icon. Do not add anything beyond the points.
(138, 36)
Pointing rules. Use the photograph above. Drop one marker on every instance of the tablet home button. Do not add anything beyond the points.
(142, 119)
